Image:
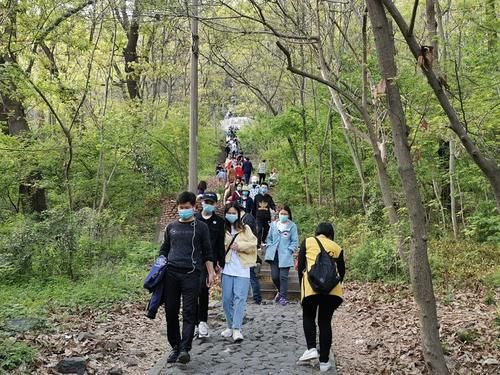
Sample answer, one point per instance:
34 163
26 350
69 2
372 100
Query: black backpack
323 275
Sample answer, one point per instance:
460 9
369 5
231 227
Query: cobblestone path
274 341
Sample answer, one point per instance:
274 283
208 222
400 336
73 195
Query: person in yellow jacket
241 254
322 304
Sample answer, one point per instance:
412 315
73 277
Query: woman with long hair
282 243
241 254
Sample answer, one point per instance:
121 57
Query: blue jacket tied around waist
154 284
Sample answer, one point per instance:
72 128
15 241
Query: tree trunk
431 26
32 197
130 55
420 271
491 19
332 163
489 167
453 205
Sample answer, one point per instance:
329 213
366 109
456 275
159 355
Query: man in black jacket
262 206
217 232
187 249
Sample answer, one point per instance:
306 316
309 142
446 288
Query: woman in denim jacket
282 243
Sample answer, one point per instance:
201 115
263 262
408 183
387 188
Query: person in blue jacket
282 243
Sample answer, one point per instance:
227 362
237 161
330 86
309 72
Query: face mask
231 218
186 213
283 218
263 190
238 188
245 194
208 208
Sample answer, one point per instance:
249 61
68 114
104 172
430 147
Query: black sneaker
184 357
174 354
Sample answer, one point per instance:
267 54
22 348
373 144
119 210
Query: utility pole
193 126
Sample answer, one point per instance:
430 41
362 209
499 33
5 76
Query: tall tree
131 27
420 270
33 198
488 166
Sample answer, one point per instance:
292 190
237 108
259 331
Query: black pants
187 286
203 297
262 178
324 306
280 276
262 230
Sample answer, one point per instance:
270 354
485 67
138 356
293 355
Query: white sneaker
203 330
237 336
309 354
324 366
228 332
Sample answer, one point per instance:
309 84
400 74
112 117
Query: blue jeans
234 299
254 281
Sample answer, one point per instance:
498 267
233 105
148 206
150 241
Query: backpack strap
231 243
321 247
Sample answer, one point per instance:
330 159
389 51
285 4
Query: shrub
375 259
63 243
14 354
484 226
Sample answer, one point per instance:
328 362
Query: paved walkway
274 341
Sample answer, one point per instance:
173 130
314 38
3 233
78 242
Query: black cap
209 196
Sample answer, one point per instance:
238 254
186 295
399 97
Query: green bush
63 243
484 226
375 259
14 354
464 262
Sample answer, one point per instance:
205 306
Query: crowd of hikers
201 244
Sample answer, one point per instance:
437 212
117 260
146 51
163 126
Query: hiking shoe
184 357
324 366
283 301
309 354
228 332
174 354
203 330
237 336
277 297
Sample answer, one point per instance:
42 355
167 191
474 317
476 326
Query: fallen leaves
376 332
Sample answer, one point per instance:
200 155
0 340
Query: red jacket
239 171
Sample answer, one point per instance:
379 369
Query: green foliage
14 354
375 259
463 262
493 279
62 243
484 226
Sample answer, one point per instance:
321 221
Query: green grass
104 287
14 354
101 288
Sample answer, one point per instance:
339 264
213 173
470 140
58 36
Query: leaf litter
375 331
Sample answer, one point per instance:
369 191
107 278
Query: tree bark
130 53
453 204
32 197
420 271
488 166
431 26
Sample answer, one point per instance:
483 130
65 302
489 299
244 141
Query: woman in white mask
241 254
